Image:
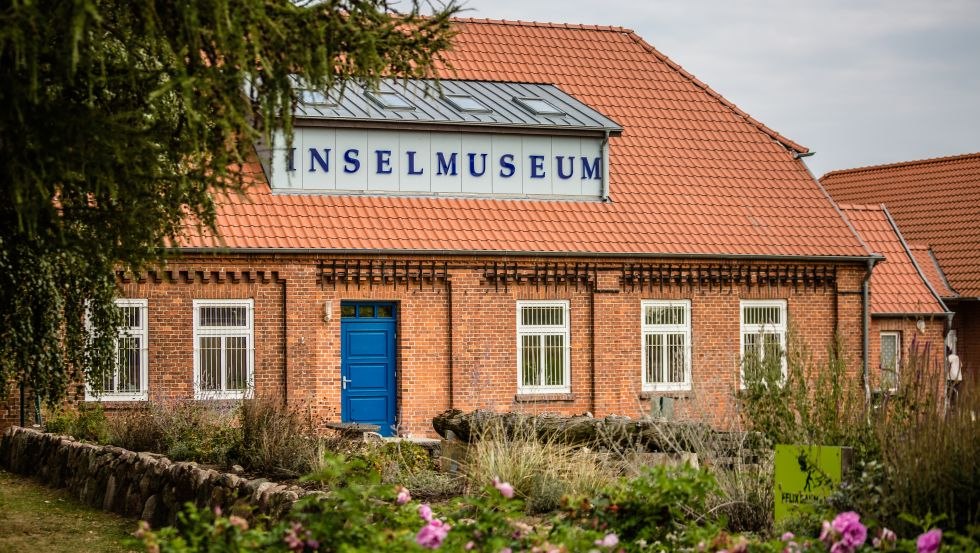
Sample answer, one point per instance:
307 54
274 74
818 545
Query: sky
860 82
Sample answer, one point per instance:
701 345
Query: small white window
763 336
539 106
467 103
316 98
223 350
390 100
891 358
128 381
542 347
666 329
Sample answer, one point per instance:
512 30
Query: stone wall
139 485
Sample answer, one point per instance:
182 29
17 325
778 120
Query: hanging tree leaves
119 120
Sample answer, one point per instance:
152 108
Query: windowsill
678 394
117 398
543 397
222 396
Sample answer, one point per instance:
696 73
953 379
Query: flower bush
657 511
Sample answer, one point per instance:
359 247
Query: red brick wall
918 347
967 325
457 334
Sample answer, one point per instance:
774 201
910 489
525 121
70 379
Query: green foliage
122 118
653 507
84 421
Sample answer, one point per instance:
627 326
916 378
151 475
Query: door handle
344 381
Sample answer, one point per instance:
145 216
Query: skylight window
389 100
465 102
539 106
316 98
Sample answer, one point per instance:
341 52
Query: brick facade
456 326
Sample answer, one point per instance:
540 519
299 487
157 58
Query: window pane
346 310
210 362
531 360
554 360
128 366
224 316
384 311
771 347
365 311
666 315
236 362
889 360
654 345
675 358
541 315
762 315
131 316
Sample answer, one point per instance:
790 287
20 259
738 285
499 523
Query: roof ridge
924 161
543 24
790 144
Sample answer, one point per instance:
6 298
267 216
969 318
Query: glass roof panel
316 98
389 100
465 102
539 106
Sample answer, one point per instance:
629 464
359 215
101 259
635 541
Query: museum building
567 221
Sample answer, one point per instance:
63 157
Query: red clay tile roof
930 269
691 174
897 286
934 201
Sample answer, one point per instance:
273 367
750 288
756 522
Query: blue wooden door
367 364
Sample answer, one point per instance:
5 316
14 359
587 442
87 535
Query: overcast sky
860 82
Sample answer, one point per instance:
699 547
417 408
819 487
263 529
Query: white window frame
143 334
545 330
246 331
778 329
898 358
665 329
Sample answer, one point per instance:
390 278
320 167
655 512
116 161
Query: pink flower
852 532
425 512
238 522
787 536
403 496
506 550
930 541
431 535
504 488
841 547
826 533
469 545
610 540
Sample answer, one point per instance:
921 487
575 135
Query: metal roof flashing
480 105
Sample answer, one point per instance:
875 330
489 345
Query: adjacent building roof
927 262
934 201
432 102
691 174
898 285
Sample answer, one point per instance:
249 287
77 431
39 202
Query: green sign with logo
806 474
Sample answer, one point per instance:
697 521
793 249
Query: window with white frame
128 380
666 328
223 350
763 338
542 347
891 358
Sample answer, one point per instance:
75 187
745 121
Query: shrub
138 429
276 439
542 471
85 421
196 431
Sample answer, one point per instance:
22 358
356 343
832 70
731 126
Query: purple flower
295 542
610 540
841 547
431 535
930 541
403 496
504 488
425 512
852 532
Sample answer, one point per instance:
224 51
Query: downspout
866 335
449 295
592 401
23 413
604 189
285 348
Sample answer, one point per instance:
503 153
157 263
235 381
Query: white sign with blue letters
438 163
